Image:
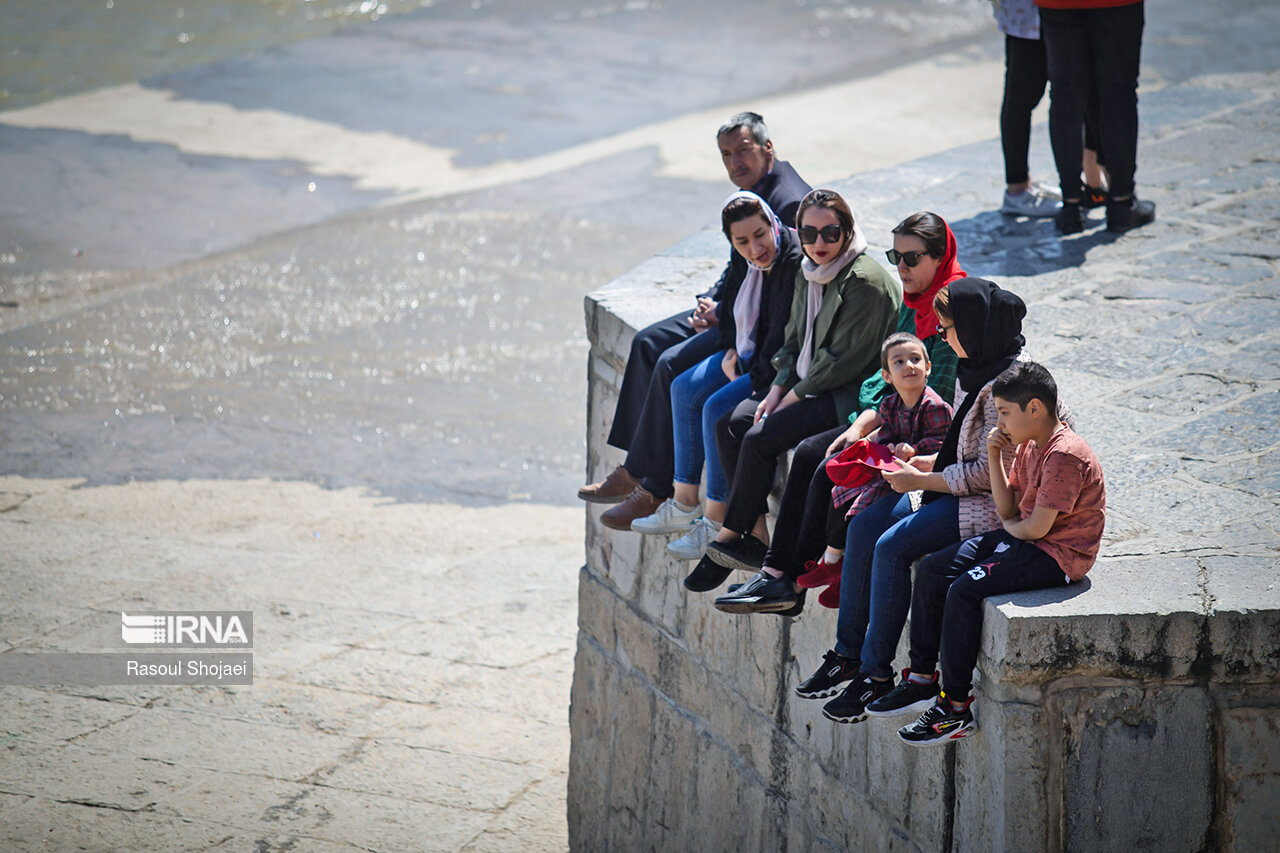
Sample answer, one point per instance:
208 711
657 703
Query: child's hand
997 441
903 451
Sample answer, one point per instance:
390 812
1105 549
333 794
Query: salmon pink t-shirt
1065 476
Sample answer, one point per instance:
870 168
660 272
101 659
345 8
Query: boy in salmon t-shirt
1052 506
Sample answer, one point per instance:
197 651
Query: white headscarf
818 277
746 305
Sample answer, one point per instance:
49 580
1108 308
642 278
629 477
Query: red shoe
820 573
830 597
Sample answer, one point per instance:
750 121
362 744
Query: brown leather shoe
637 505
616 487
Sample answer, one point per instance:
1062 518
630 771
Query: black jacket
783 189
775 309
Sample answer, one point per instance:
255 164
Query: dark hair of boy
1025 381
897 339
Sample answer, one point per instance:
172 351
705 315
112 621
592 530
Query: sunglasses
909 258
830 234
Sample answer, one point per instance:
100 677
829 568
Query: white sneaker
669 518
693 545
1033 202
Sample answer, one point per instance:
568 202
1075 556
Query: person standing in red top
1095 43
1052 508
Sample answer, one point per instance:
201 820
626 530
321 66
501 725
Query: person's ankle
919 677
771 571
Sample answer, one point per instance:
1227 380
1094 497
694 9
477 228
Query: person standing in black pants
662 351
1095 43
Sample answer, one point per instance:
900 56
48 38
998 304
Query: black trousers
1025 76
807 522
751 452
946 604
642 419
1098 48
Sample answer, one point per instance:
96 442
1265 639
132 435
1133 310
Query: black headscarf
988 322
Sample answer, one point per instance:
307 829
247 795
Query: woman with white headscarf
753 317
844 305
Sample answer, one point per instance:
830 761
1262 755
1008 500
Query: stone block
1116 738
1251 771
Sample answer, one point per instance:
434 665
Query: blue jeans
881 574
700 391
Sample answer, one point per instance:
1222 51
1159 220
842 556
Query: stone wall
1129 712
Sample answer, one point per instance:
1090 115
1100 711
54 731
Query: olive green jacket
859 310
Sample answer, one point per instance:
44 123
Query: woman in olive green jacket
844 306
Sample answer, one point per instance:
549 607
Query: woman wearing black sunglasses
924 250
844 305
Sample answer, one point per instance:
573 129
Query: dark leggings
1096 49
806 519
946 606
751 451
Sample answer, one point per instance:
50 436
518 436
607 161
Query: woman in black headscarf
983 324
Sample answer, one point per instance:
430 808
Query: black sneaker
1070 219
706 576
836 669
851 705
795 609
1131 213
907 698
746 553
1095 197
939 725
761 594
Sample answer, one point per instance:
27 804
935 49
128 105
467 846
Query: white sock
919 678
832 557
682 507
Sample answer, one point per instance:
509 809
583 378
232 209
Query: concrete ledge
1137 710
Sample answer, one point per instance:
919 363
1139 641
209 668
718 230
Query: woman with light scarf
843 306
753 316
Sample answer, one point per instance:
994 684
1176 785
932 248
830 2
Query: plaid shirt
923 427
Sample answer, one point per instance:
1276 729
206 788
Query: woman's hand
924 463
704 316
908 478
768 404
787 399
729 364
904 451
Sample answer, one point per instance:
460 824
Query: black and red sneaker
940 724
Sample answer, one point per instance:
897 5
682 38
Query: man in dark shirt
664 350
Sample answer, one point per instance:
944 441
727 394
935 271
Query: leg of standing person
1025 76
1116 38
1067 54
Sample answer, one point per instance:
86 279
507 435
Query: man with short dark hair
664 350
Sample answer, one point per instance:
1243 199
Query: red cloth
854 465
922 303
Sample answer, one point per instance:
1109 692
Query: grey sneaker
693 544
1034 202
667 518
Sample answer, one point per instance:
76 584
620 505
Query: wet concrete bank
685 730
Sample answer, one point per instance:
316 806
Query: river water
431 350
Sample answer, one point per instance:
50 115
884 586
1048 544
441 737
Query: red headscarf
922 303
